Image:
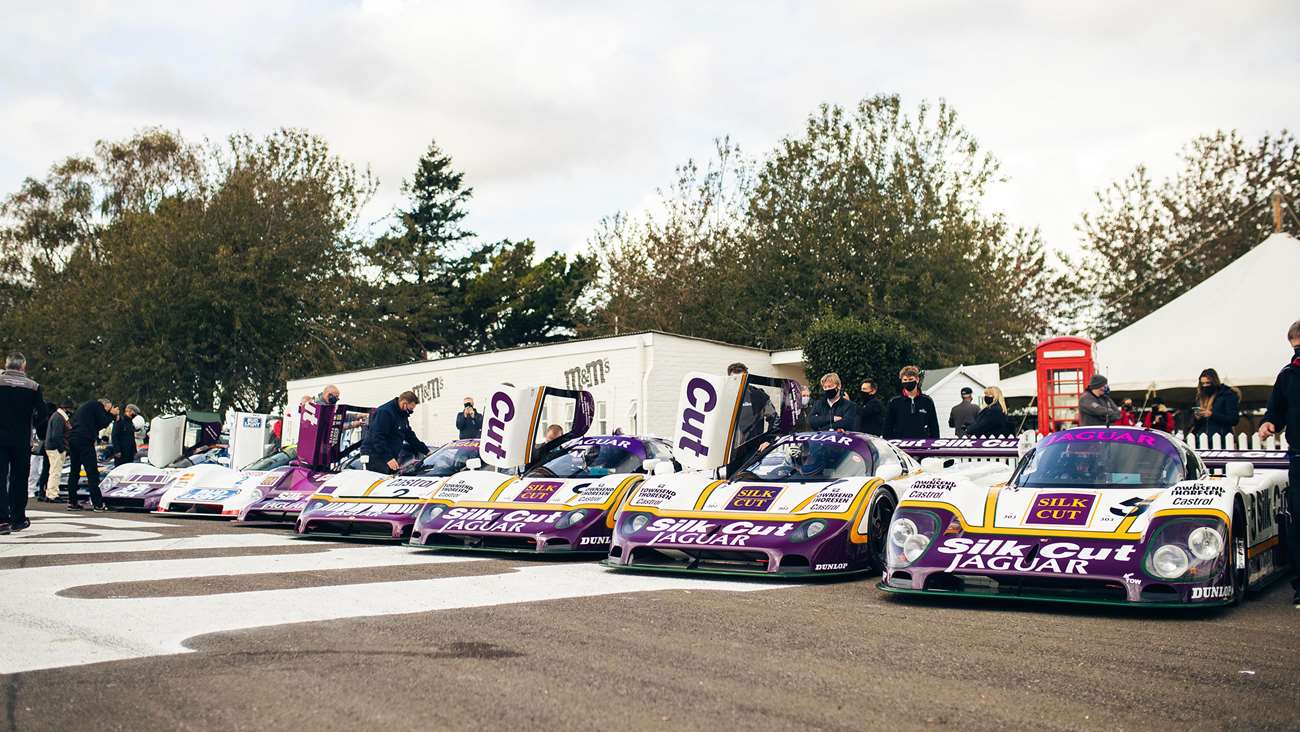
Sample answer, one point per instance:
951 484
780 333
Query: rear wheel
879 514
1237 562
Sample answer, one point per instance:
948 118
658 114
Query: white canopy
1234 321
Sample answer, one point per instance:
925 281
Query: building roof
1234 321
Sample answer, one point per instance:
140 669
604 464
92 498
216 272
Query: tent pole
1277 212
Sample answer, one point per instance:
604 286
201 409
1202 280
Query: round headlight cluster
634 523
900 530
434 511
915 546
1170 561
1205 543
570 518
907 540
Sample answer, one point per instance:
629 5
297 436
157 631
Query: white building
634 378
944 387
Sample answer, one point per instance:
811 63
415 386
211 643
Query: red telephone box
1064 367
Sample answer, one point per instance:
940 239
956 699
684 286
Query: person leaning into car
22 406
87 422
832 411
122 439
1282 416
911 415
390 429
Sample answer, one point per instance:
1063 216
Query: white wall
613 369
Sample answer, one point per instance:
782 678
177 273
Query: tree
1147 243
873 212
413 260
858 350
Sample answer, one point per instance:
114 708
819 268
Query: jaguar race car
807 504
275 488
363 503
565 498
1094 514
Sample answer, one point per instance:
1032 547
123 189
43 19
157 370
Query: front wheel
1237 562
879 514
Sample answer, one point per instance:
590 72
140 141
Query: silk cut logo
754 498
539 491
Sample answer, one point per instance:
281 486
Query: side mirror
1025 444
648 465
473 464
665 467
1239 469
932 464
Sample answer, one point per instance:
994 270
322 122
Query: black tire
1237 575
879 513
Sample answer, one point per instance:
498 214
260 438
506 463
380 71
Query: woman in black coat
1217 405
992 421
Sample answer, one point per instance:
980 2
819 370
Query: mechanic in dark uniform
911 415
22 406
87 422
390 429
1283 417
832 410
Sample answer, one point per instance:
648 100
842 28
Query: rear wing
709 409
516 418
1009 449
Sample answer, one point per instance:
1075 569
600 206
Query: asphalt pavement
136 622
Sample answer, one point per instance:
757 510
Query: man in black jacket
22 406
911 415
469 423
56 447
832 410
122 439
87 422
871 411
390 428
1283 416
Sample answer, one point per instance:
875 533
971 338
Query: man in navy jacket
390 428
22 406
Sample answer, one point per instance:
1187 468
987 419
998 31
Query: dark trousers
45 475
379 466
83 456
15 467
121 458
1293 529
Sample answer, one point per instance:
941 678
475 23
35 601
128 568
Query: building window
602 421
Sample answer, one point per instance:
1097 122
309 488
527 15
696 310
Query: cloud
562 113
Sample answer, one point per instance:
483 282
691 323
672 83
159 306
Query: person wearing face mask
390 429
469 423
328 395
1216 410
963 414
992 421
1282 416
911 415
871 412
832 410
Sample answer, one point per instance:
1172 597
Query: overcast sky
564 112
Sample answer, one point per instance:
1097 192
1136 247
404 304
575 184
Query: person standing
390 429
1159 417
1216 411
871 412
1096 408
469 423
22 407
832 411
87 422
122 440
1282 416
56 447
911 415
1127 414
963 413
992 420
757 413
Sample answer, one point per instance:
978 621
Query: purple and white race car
377 505
807 504
1119 515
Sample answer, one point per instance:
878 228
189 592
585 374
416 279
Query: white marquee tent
1235 321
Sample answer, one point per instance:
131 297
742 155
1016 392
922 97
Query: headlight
914 546
434 511
570 518
808 530
1205 543
1170 561
634 523
900 530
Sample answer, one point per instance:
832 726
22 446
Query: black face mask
988 400
830 394
909 385
469 406
1207 390
332 399
409 412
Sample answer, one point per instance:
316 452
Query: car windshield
1085 464
795 462
277 459
588 461
447 460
